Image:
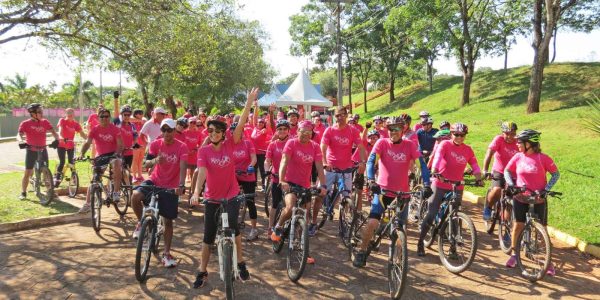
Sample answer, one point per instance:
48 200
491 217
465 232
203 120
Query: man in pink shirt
336 147
353 122
503 147
109 147
168 158
272 163
32 133
450 161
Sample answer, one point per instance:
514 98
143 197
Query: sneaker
276 235
312 229
420 249
360 260
512 261
453 255
551 271
310 260
201 279
244 274
487 213
116 196
252 235
85 208
23 196
168 261
136 232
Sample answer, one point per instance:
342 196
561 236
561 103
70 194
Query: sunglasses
192 122
167 129
211 130
104 117
282 129
126 115
340 115
394 128
459 135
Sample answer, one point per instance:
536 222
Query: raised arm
237 133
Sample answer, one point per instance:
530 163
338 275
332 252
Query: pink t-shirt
450 161
127 136
260 139
275 152
412 136
221 182
193 140
68 128
166 174
242 159
358 127
180 136
356 154
293 131
301 157
105 138
383 132
319 130
394 160
531 169
35 131
339 142
504 152
93 120
417 127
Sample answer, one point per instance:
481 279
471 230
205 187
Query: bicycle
331 197
42 180
226 247
243 206
296 231
123 205
501 215
417 206
70 175
151 231
450 223
533 240
349 214
392 227
267 191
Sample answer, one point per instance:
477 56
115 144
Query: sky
29 58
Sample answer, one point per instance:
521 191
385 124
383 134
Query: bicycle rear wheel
46 186
297 250
228 268
397 264
347 210
457 250
143 251
495 209
73 184
504 229
124 202
96 207
327 202
268 197
414 206
533 251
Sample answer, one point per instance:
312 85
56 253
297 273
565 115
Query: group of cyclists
220 155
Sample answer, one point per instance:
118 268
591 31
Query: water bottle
250 170
441 211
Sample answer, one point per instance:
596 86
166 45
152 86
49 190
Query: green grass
499 95
12 209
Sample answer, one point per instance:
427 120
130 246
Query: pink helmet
306 124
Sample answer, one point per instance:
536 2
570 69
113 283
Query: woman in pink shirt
67 127
272 162
380 126
193 139
260 139
216 166
369 137
529 167
450 161
138 121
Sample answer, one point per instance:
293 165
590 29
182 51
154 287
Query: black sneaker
420 249
244 274
360 260
201 279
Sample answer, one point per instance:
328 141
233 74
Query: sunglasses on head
395 128
104 116
167 129
211 130
459 134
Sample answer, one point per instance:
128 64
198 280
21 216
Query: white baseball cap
160 110
168 122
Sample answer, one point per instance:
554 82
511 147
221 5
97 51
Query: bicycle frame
339 188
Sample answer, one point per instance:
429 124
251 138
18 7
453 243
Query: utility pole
339 49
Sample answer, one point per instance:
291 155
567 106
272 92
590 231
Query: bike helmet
508 126
428 120
33 107
444 124
406 117
283 122
233 126
396 121
459 128
355 117
423 114
306 124
183 121
441 134
377 118
193 120
126 108
315 114
373 132
529 135
293 112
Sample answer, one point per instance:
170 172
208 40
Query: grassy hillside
499 95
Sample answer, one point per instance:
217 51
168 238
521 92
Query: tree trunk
554 45
505 53
170 103
467 79
365 96
430 74
535 84
149 106
392 82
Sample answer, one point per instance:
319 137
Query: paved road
72 261
11 155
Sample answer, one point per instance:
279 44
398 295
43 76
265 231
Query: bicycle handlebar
224 201
313 191
455 183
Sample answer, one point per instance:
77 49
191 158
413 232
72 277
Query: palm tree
592 120
73 90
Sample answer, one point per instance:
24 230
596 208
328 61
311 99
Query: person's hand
116 94
487 175
361 168
22 145
479 182
252 95
180 191
160 159
368 124
512 190
543 194
284 186
54 144
194 199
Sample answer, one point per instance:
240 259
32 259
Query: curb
568 239
43 221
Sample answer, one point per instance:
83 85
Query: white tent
302 92
270 98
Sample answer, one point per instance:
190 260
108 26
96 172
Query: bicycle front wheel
346 214
96 205
143 252
533 251
228 268
397 264
73 184
46 186
505 229
124 201
457 243
414 206
297 250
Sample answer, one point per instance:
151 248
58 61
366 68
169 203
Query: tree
512 22
584 18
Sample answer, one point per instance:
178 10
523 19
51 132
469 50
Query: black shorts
31 156
127 160
313 174
498 179
210 220
306 198
276 195
520 210
168 202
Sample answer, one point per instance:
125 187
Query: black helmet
529 135
33 107
283 123
406 117
508 126
126 108
183 121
